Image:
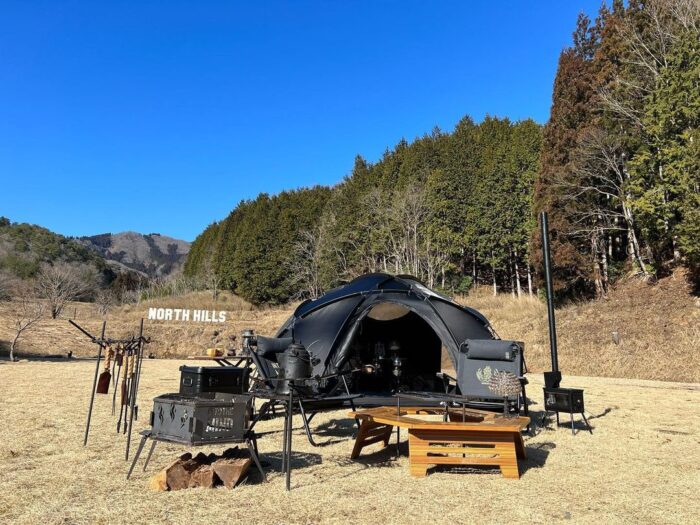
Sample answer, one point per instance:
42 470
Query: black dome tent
379 315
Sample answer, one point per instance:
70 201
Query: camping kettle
296 362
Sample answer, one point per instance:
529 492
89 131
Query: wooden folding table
469 437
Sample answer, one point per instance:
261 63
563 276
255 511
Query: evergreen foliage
617 167
619 173
450 208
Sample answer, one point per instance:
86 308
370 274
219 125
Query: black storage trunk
203 419
203 379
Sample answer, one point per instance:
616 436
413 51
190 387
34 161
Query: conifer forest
616 166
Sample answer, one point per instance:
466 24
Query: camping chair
485 354
308 402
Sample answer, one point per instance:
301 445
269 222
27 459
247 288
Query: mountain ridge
153 254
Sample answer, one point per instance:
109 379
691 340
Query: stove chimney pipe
550 294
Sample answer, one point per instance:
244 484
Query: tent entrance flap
394 348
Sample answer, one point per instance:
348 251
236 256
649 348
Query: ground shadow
343 429
381 458
602 414
550 422
39 358
299 459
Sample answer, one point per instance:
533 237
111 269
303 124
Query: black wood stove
556 399
565 400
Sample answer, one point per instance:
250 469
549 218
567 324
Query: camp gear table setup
283 367
470 437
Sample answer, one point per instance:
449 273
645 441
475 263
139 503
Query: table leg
290 408
417 470
520 447
284 444
509 460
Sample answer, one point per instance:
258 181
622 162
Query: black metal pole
94 381
550 293
290 407
134 383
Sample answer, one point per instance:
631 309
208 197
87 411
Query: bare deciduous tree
306 262
6 285
212 279
26 313
104 299
59 284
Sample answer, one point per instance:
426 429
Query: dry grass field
639 466
658 326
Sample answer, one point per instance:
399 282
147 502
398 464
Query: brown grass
169 339
640 466
659 329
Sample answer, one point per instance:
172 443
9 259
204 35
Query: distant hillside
153 254
25 247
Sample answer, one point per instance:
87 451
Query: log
231 470
158 482
203 470
177 475
204 476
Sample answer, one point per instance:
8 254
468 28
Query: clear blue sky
161 116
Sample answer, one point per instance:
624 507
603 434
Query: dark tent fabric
339 327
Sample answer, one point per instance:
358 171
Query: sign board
186 315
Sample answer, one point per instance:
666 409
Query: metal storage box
203 419
203 379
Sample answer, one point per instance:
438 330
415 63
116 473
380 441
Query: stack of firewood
203 470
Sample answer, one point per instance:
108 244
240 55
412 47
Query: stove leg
557 413
136 456
150 453
587 423
571 415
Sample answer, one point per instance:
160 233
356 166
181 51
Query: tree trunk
604 264
517 273
493 270
529 277
13 345
597 278
633 243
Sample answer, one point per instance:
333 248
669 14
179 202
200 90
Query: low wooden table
470 437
